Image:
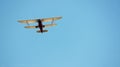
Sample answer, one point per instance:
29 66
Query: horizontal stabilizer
30 26
41 32
49 25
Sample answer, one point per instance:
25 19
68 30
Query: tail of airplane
41 32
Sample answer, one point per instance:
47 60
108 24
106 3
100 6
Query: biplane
40 25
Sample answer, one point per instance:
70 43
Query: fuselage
40 25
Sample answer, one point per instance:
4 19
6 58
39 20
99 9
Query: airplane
40 23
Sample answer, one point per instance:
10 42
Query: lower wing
46 26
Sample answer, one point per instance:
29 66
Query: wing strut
52 21
28 23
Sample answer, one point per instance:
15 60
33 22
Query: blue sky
88 35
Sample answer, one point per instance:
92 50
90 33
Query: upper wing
43 20
50 19
28 21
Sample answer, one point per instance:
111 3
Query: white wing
28 21
30 27
49 25
50 19
43 20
